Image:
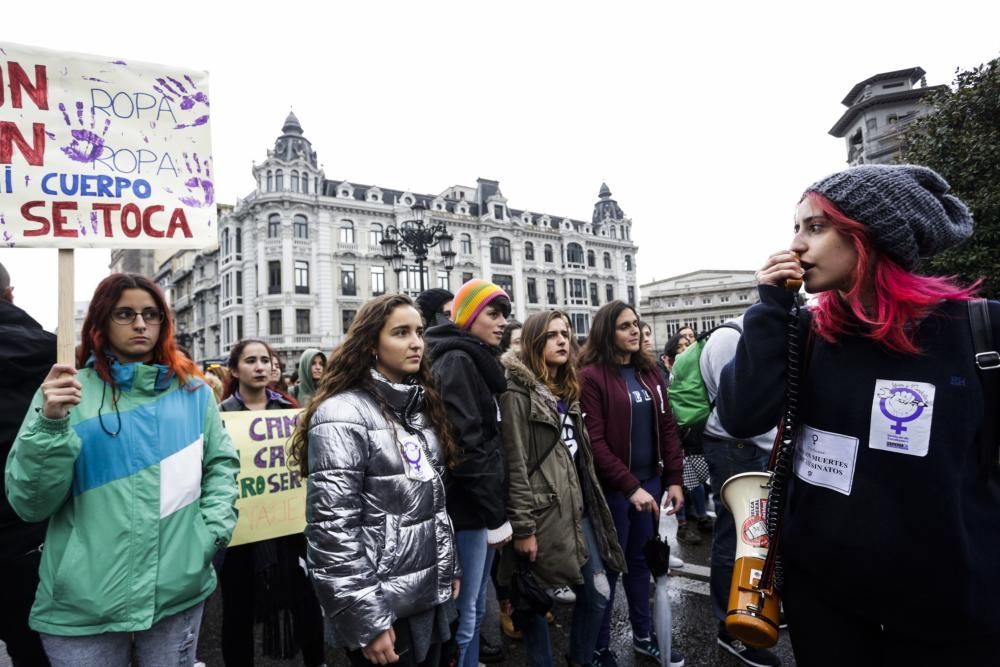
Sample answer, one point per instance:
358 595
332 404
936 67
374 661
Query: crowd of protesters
446 447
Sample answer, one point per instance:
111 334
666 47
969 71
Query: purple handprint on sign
87 145
199 184
171 88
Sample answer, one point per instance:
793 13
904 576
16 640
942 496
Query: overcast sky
707 120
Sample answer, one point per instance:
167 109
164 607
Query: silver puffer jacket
380 545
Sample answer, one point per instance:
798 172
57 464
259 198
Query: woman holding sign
892 459
264 580
374 443
128 460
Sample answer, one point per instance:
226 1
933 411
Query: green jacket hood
306 386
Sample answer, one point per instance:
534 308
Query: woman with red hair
893 478
128 460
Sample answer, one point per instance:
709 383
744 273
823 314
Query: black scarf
484 356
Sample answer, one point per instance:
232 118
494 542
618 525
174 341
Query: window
628 262
499 250
580 323
532 291
631 295
871 124
228 327
227 289
274 318
302 321
378 280
305 183
607 260
273 226
346 231
574 254
301 277
705 300
226 249
270 181
346 317
498 211
274 277
466 277
609 292
279 180
442 280
466 244
347 285
506 283
239 327
239 246
724 298
409 278
591 259
300 227
529 250
239 288
550 291
548 253
375 236
744 297
594 301
614 232
295 181
576 290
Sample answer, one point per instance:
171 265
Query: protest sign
272 496
103 152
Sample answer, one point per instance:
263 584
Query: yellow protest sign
272 496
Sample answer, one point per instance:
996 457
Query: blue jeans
588 612
726 458
634 530
475 555
171 642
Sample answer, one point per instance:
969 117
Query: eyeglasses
127 316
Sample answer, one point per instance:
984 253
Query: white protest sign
103 152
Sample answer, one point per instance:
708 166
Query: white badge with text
901 417
826 459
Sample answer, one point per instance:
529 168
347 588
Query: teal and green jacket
139 497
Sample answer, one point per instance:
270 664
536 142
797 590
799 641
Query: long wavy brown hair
533 338
600 348
94 334
349 367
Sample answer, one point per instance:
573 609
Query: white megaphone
753 615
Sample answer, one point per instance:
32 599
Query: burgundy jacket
607 412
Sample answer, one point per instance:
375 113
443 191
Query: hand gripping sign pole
99 152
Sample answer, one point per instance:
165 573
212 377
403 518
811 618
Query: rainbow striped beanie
471 298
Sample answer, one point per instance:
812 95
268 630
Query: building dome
606 208
292 144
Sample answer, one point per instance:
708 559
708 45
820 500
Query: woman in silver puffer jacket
374 443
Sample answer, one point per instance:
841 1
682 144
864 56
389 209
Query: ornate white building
300 254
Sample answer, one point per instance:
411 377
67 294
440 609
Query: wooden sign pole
65 335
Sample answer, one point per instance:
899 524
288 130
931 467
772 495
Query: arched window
274 226
591 259
614 232
628 262
295 181
466 244
239 243
270 181
499 250
548 253
300 227
305 184
375 235
279 180
574 253
607 260
529 250
346 231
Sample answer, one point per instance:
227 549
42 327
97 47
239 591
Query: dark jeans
588 613
634 530
237 583
726 458
20 571
403 649
827 634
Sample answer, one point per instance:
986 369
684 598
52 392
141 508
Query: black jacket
469 376
27 352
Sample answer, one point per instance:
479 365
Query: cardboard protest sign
100 152
272 497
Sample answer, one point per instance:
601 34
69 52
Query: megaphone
753 615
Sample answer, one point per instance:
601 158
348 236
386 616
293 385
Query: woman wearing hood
311 366
561 521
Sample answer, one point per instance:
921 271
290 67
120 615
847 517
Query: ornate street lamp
417 235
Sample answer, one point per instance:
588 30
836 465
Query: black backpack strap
988 366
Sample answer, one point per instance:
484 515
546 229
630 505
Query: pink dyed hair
902 297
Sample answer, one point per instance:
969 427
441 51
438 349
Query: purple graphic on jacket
87 145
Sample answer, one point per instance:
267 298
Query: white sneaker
675 562
199 663
563 595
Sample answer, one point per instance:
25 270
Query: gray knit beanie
906 207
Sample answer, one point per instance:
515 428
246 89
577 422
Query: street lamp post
418 235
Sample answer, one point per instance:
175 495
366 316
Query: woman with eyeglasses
128 460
